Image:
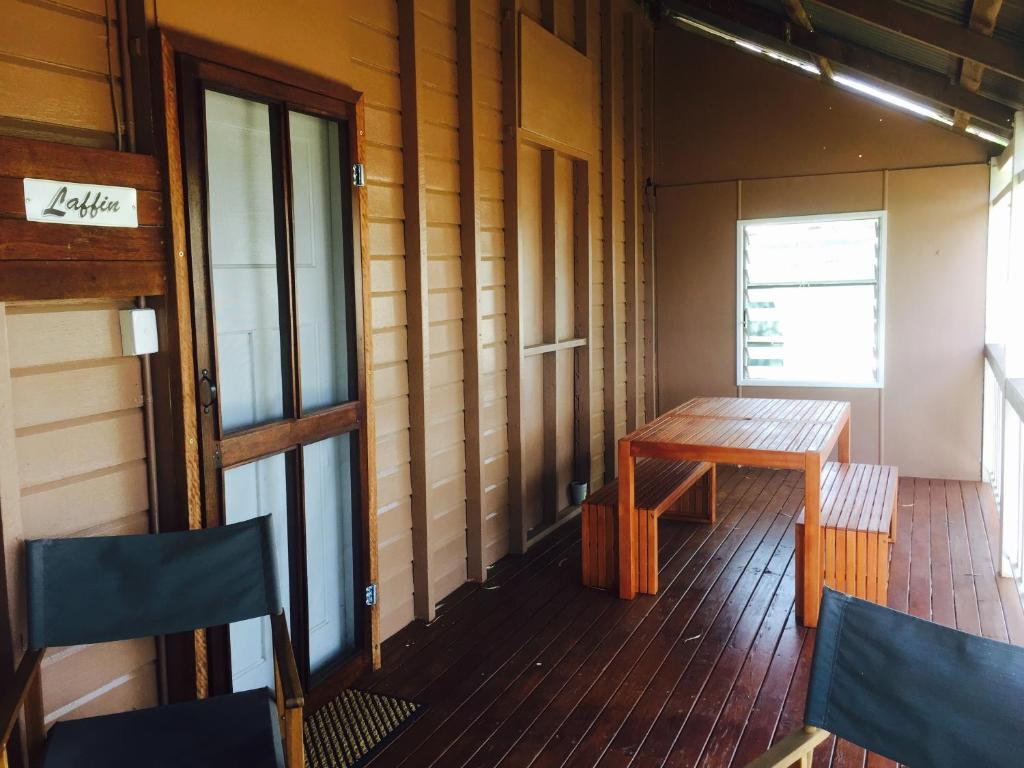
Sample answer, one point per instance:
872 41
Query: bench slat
857 497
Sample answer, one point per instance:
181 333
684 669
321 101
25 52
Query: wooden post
581 297
417 299
368 436
510 163
476 567
647 166
13 610
609 175
581 10
174 375
628 532
631 147
549 322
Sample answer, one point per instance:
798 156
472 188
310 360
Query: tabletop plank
744 425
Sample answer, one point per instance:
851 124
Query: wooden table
781 434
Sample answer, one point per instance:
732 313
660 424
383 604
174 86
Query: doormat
354 726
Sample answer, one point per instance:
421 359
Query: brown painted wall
927 419
57 64
357 43
71 427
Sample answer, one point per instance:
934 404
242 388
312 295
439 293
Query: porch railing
1003 458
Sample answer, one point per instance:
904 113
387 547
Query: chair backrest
96 589
916 692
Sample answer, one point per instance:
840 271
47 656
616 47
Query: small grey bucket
577 492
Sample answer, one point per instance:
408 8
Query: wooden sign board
110 253
94 205
556 88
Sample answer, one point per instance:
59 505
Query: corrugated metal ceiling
994 85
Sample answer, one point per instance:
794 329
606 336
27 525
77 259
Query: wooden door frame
175 366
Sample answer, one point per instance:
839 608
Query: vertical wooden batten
472 342
648 203
631 151
549 298
609 50
416 267
13 638
518 528
173 367
583 279
581 9
368 434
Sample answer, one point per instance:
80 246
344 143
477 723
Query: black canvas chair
916 692
94 590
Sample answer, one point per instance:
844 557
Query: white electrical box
138 332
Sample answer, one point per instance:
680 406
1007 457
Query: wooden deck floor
531 669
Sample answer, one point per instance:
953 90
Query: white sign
63 202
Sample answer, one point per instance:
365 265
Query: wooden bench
661 490
858 526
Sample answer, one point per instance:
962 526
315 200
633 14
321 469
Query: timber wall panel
375 69
358 44
81 468
56 72
491 279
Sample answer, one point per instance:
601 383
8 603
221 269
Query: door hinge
371 594
358 175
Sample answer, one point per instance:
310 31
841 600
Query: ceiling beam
893 72
983 21
938 33
798 15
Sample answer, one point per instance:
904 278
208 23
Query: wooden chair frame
795 749
287 690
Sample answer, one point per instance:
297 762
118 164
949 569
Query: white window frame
883 238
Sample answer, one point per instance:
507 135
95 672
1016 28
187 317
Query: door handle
207 391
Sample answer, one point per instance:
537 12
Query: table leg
812 540
844 442
627 534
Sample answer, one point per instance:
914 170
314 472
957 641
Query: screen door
276 305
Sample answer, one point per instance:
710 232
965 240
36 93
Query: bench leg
812 538
798 533
627 528
586 545
883 572
648 541
892 521
711 481
642 552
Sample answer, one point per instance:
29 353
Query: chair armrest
789 751
288 671
13 699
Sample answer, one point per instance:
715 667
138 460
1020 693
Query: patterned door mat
354 726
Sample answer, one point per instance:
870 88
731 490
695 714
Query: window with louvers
811 300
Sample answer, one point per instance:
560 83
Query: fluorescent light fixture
884 95
893 99
770 53
981 133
